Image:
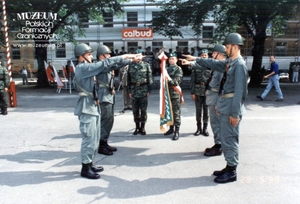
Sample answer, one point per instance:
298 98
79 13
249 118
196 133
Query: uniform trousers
273 81
107 119
200 103
295 76
176 111
3 99
230 140
139 109
214 123
90 130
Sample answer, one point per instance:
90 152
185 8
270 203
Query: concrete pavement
40 154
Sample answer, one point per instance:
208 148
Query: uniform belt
213 89
83 94
138 84
229 95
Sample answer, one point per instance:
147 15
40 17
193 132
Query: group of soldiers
219 84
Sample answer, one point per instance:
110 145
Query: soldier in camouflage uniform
87 107
4 86
176 74
199 79
139 87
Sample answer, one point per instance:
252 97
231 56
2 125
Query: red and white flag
59 82
72 67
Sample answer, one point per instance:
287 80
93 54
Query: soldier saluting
230 106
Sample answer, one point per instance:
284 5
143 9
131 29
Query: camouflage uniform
139 80
199 79
176 74
4 83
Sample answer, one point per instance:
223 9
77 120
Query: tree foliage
68 24
229 15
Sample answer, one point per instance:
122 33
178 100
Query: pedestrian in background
296 68
24 72
273 81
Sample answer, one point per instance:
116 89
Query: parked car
284 75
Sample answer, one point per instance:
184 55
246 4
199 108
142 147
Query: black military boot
213 151
226 175
198 131
97 168
204 132
142 129
103 150
137 128
4 110
170 131
87 172
110 148
176 133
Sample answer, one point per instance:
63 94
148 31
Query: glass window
155 14
15 50
84 19
61 50
108 18
280 49
207 33
132 16
132 46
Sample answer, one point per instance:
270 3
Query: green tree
67 23
229 15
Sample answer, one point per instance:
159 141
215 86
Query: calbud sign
137 33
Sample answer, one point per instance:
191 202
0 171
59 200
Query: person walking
106 95
212 97
24 72
273 81
230 105
139 87
87 108
4 86
175 73
199 78
296 68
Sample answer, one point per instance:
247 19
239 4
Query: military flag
165 104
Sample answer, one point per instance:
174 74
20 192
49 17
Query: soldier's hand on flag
6 89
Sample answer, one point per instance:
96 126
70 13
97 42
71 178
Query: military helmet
220 49
82 49
173 54
203 51
103 49
234 39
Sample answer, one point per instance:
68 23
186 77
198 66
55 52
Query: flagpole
12 89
